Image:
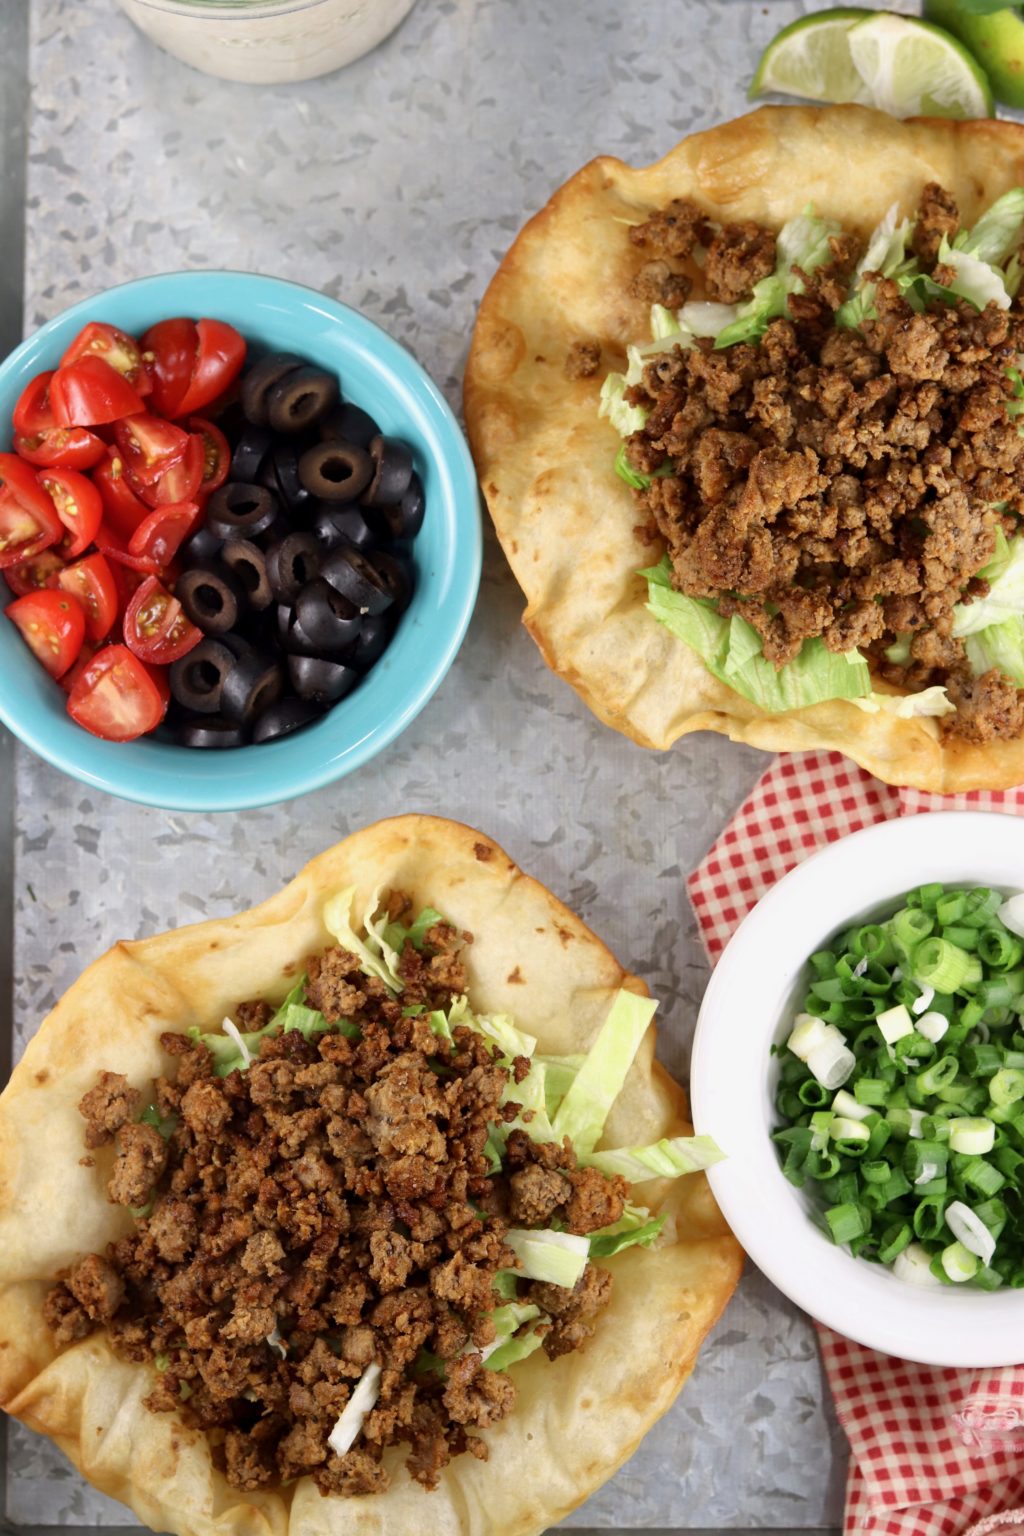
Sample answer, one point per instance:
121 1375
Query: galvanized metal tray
396 186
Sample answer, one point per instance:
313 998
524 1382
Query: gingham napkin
933 1451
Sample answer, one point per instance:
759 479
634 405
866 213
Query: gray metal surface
396 186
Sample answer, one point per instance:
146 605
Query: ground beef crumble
330 1207
831 482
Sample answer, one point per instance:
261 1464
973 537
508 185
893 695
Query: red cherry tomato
32 575
163 532
61 448
28 518
219 360
90 392
124 510
115 347
156 629
92 581
34 413
78 506
85 656
216 453
53 625
169 349
111 544
117 697
181 482
149 446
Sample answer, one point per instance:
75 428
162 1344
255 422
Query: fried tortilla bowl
565 520
576 1420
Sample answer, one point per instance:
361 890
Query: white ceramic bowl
754 993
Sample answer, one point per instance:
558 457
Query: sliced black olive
196 679
337 524
321 681
353 574
239 511
335 471
203 545
250 451
282 718
252 685
211 731
249 564
374 639
291 563
396 578
301 399
349 424
261 379
211 597
326 618
404 519
392 474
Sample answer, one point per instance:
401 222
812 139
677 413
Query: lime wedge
996 40
914 69
811 58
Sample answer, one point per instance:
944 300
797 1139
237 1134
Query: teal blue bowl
383 378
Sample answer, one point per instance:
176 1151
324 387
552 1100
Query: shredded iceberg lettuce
886 253
362 1402
998 645
908 706
559 1072
507 1321
635 1228
513 1350
337 919
802 242
731 650
703 318
559 1258
976 280
669 1158
998 233
1005 599
398 934
582 1113
625 418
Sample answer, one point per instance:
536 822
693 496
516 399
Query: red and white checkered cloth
933 1451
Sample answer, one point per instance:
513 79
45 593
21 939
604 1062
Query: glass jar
267 42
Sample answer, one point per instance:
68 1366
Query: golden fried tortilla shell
567 523
577 1418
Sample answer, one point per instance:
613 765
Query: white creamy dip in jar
267 42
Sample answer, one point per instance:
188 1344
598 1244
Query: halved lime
914 69
811 58
996 40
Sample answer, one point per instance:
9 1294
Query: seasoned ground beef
847 484
583 360
330 1208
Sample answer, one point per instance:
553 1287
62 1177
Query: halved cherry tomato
124 510
111 544
127 583
216 453
149 446
181 481
90 392
219 360
34 413
117 348
92 581
61 448
164 531
117 697
33 575
169 349
53 625
28 518
156 628
78 506
85 656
